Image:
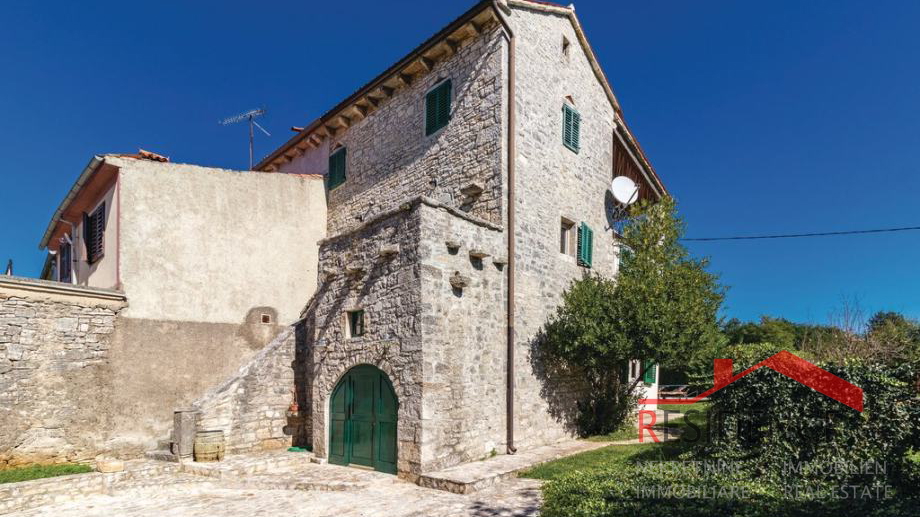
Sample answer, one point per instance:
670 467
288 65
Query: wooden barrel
209 446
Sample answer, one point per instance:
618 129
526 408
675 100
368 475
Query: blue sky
770 117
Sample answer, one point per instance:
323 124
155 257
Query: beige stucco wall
211 245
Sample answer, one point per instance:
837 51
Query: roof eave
88 171
378 81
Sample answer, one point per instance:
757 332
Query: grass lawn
30 472
600 459
621 455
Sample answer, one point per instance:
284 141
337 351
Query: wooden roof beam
361 111
426 63
404 79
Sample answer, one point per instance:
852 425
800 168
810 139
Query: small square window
266 318
354 323
567 238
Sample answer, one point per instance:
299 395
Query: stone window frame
346 323
453 99
568 226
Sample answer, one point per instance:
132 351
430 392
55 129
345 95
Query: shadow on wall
300 424
560 386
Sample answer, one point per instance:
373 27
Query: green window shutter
437 107
650 369
585 253
571 127
336 168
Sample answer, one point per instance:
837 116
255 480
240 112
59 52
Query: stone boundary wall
54 374
16 497
252 406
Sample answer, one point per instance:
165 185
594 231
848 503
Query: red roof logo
791 366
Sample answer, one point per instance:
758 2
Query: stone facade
356 275
54 377
389 157
437 312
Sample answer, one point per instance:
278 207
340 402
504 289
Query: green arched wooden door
362 420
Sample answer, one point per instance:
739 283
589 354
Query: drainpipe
499 6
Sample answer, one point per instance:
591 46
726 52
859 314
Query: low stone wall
54 344
252 406
16 497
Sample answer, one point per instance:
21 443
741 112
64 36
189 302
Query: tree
895 337
662 307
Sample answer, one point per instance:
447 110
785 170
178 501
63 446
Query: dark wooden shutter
437 107
337 168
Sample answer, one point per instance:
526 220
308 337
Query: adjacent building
212 263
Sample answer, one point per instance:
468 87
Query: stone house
407 247
466 188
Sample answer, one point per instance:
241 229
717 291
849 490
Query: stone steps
477 475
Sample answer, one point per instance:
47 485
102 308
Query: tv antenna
250 116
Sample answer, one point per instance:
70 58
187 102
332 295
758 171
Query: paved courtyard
304 490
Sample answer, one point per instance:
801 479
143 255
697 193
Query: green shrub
649 493
775 425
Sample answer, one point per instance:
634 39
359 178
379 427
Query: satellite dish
624 190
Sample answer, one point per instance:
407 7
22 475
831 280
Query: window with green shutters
571 127
336 168
585 245
650 370
437 108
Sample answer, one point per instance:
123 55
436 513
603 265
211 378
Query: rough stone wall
463 331
54 376
554 183
388 290
252 406
390 159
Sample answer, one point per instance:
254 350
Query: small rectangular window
567 237
355 321
585 245
565 47
94 234
336 168
571 127
437 107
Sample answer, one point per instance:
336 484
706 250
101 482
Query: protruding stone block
478 254
459 281
389 251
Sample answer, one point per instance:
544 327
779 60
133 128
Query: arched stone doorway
362 420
